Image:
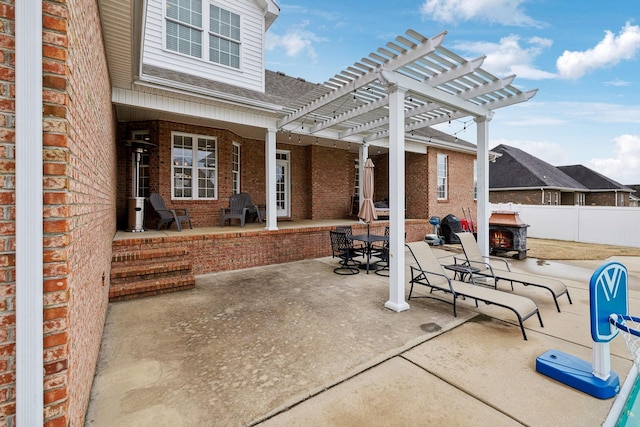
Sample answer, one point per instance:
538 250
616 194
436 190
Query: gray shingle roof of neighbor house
518 169
592 179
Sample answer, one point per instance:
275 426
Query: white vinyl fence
588 224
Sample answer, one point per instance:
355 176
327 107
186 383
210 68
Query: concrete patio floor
295 344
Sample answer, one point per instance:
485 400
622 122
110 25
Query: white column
396 200
270 179
483 183
363 156
29 227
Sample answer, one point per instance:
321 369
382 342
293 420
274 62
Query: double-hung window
235 169
200 29
442 177
224 37
184 27
194 166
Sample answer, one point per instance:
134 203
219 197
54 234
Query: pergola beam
397 61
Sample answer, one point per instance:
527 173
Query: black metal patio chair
343 249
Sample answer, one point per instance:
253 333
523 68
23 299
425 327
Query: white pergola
407 85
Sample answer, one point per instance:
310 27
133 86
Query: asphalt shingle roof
518 169
592 179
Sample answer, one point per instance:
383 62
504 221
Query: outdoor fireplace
507 233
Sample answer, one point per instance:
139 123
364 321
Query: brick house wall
79 208
7 224
460 184
605 198
322 178
88 209
525 197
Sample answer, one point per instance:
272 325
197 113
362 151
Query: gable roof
518 169
592 179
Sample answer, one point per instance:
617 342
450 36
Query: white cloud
608 52
295 41
624 163
510 57
503 12
617 83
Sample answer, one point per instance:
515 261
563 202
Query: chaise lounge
475 259
428 272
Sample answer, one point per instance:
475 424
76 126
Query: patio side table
460 271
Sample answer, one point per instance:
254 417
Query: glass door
283 183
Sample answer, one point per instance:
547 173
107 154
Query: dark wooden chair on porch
240 207
169 216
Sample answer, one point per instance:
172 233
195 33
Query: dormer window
224 37
184 27
184 31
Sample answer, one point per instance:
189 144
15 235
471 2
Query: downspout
29 228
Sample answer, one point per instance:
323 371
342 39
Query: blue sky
584 57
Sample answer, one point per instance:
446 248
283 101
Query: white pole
29 230
396 199
483 183
270 171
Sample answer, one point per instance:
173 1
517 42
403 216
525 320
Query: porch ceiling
441 86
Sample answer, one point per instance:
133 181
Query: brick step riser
127 271
146 289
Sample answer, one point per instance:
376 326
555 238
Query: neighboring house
603 191
189 80
634 198
518 177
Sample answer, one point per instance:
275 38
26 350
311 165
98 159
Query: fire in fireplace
507 233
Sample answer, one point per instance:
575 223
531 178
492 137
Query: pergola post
270 171
396 300
483 182
363 152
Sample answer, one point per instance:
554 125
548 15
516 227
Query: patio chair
427 271
474 258
169 216
382 252
240 207
348 230
343 249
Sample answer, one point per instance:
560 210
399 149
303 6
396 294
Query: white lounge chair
475 259
428 271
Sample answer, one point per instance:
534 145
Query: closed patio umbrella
367 209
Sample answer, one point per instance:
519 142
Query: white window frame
549 198
557 198
235 168
442 166
207 34
193 161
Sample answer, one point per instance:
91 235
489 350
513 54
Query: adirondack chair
240 207
168 216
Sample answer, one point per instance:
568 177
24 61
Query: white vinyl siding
194 166
442 177
250 61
